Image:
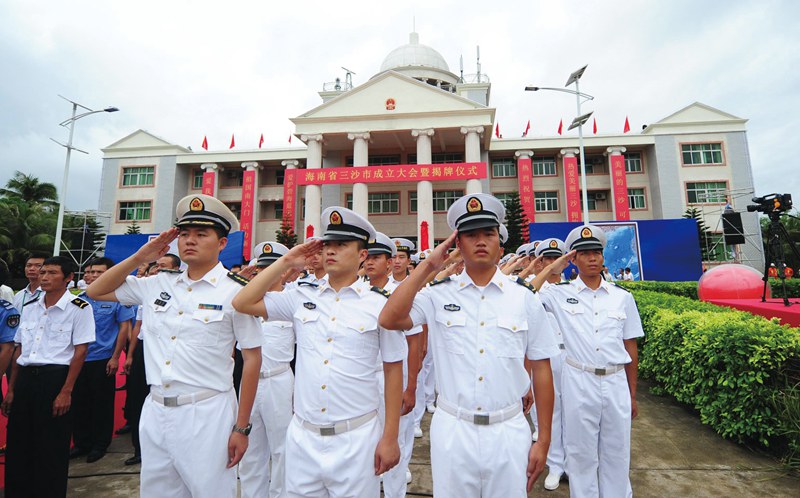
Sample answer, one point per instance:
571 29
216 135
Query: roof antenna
348 78
479 63
461 65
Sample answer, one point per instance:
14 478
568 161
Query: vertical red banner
573 191
209 180
248 202
525 178
619 188
289 195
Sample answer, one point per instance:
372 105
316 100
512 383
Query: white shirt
390 287
190 329
48 335
338 342
479 338
628 277
25 296
594 322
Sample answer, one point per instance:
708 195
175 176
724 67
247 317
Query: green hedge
792 287
689 289
726 364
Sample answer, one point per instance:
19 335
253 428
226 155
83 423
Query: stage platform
772 308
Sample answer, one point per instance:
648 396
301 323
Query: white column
290 163
472 153
360 159
313 200
213 168
613 151
424 188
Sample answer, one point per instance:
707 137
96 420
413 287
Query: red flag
627 126
497 130
560 126
261 141
527 129
290 138
594 126
205 143
233 142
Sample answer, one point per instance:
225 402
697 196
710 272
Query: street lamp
69 147
578 122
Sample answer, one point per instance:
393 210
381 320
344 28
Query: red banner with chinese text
289 195
619 188
248 201
525 177
209 180
394 173
573 191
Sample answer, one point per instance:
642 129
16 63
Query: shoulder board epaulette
619 286
564 283
6 304
170 270
380 290
31 301
80 303
305 282
527 285
440 281
237 278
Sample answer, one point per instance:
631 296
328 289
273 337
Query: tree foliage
703 235
29 189
516 223
791 223
133 228
286 235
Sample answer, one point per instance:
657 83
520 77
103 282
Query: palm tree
29 189
27 228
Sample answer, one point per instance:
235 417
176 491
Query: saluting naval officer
272 410
378 264
334 445
191 434
52 340
600 325
482 327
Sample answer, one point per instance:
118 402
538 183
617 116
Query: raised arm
250 299
103 288
553 268
395 313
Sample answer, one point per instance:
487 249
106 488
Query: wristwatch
243 430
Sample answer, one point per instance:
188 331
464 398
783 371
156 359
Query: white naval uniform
479 338
394 481
26 296
597 408
272 413
190 331
338 342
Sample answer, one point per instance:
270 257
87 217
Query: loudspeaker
732 228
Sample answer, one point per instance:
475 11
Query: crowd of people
307 372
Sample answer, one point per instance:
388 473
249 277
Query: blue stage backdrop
667 250
119 247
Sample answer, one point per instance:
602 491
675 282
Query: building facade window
706 192
503 197
280 174
633 162
138 176
544 166
545 201
595 165
135 210
715 247
447 157
379 203
598 200
232 178
443 199
376 160
197 178
700 154
236 208
504 167
636 199
412 202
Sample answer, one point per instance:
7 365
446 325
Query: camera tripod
776 235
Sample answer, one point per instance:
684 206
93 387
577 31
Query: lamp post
69 147
578 122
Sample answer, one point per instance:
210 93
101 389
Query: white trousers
429 375
394 481
556 455
185 448
272 413
340 466
597 433
474 461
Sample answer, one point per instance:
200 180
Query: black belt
43 369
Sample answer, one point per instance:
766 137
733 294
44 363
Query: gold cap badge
474 205
586 233
196 204
336 218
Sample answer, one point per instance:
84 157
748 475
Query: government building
403 146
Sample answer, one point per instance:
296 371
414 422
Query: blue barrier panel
119 247
666 250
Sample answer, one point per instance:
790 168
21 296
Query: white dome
414 54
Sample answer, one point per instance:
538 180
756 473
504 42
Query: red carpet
772 308
119 419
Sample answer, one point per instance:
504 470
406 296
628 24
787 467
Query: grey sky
184 69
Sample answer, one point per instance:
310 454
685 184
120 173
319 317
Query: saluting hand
157 247
296 257
438 257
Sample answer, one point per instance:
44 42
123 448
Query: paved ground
673 455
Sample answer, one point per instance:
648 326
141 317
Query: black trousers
137 392
37 451
93 407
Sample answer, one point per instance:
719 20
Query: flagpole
584 193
